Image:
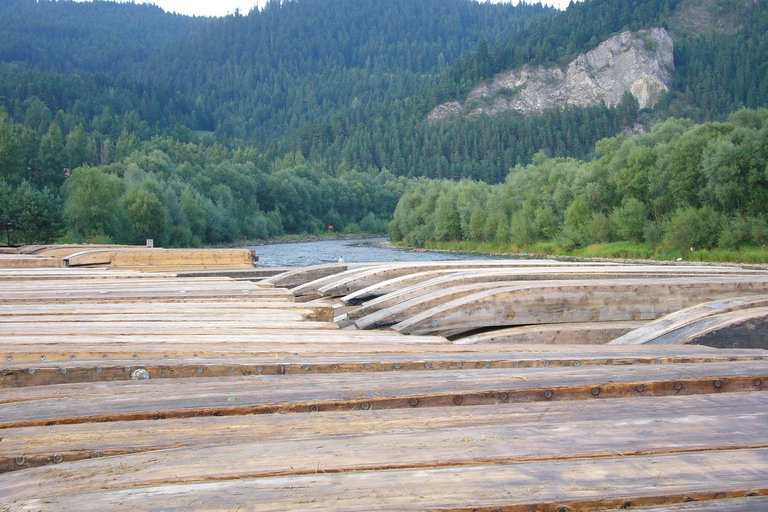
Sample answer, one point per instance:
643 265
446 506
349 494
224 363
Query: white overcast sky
224 7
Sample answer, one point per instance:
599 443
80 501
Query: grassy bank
620 250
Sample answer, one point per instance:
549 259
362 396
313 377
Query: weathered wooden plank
135 283
292 278
379 346
575 485
62 250
12 261
549 426
159 328
180 294
134 318
598 300
390 310
686 316
587 333
29 369
347 284
477 443
162 313
54 274
449 278
118 258
716 504
173 398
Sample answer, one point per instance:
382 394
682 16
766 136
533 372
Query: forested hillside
307 112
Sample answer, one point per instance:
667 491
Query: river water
301 254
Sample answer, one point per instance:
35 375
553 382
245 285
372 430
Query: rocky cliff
639 62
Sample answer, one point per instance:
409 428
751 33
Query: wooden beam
577 485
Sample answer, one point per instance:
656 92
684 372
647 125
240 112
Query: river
299 254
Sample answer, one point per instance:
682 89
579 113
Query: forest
120 122
680 188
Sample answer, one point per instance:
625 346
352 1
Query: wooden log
178 398
577 485
679 319
598 300
550 427
587 333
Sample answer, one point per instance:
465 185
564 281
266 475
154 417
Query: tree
92 206
147 213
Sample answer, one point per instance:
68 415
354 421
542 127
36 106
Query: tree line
179 194
682 185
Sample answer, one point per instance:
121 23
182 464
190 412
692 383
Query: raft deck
146 398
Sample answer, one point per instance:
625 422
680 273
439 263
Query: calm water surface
353 251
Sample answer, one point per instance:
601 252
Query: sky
224 7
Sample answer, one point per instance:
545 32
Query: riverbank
296 239
619 252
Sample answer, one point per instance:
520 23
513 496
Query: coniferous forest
121 122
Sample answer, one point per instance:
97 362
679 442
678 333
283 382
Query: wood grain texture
578 485
297 393
550 427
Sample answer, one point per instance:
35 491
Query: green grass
622 250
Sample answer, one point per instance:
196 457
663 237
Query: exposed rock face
639 62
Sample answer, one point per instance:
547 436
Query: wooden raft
144 398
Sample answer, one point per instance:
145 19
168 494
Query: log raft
146 398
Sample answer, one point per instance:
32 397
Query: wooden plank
636 424
174 398
373 346
166 311
475 443
54 274
347 284
292 278
450 278
181 327
575 485
62 250
686 316
10 261
151 257
29 369
149 319
389 310
587 333
598 300
716 504
738 329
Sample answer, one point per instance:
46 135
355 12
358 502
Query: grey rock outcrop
639 62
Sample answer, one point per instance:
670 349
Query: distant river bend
300 254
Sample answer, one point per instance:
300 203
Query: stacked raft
124 390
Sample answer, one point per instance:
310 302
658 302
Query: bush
691 228
629 220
